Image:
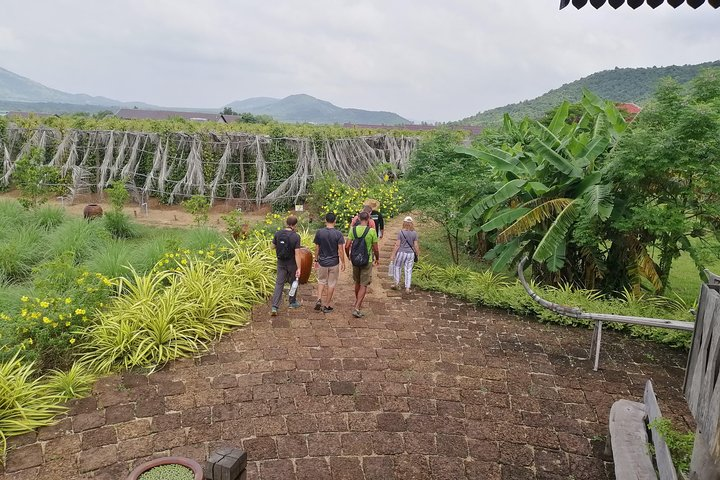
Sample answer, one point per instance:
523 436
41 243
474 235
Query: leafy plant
118 195
235 226
25 402
119 225
75 383
199 207
34 179
680 444
48 217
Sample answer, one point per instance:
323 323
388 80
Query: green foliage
236 228
189 300
492 290
48 217
437 183
664 170
680 444
20 250
34 179
77 236
118 195
25 402
198 206
328 194
119 225
75 383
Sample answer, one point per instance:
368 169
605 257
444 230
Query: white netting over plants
173 166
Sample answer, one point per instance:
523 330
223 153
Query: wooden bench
599 318
629 444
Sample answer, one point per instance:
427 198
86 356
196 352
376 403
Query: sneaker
394 286
273 312
318 305
357 313
327 309
294 305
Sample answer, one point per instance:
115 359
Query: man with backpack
286 243
362 248
330 261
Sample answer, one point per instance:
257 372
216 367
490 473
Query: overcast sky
424 59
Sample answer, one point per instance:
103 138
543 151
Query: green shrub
114 260
486 288
25 402
119 225
20 250
680 444
75 383
118 195
199 207
202 238
77 236
48 217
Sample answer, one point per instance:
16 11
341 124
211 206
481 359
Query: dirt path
423 387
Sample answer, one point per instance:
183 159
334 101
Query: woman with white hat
405 253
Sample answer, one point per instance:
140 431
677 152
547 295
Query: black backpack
358 250
282 247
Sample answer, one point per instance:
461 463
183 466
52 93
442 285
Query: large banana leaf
598 201
504 254
503 218
557 232
560 163
505 193
537 215
495 157
557 259
559 120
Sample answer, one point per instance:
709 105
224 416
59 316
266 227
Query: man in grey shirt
330 261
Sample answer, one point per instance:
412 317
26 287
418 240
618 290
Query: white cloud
422 59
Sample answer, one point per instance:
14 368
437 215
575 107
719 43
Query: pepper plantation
606 206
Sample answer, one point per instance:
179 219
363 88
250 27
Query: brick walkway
423 387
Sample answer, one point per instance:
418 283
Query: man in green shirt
362 263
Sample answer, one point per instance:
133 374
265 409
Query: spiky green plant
20 250
74 383
113 260
47 217
119 225
79 236
25 402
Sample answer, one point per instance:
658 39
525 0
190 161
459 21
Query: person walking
405 253
356 219
362 248
330 261
376 216
286 243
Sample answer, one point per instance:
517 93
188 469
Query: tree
666 169
36 180
439 180
228 111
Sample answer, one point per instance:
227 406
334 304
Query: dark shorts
362 275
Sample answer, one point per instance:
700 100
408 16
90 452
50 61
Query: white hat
408 219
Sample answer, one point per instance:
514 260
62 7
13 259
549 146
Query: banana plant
547 181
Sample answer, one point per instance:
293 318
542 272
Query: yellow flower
68 300
24 298
46 320
72 340
30 341
35 315
67 324
55 324
79 311
23 312
183 261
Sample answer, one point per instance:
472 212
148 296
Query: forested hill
634 85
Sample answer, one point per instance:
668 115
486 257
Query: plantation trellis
172 166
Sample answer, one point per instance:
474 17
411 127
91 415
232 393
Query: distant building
141 114
630 109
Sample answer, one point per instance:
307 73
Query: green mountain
630 85
18 91
306 109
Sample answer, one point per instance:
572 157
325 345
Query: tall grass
20 250
200 238
78 236
47 217
113 260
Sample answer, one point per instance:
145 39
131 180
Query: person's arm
348 244
417 248
317 256
340 254
395 250
380 225
376 253
298 262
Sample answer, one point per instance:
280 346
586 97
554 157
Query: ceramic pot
185 462
92 211
306 261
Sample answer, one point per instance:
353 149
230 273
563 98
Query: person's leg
408 270
279 284
396 270
332 278
290 276
322 274
365 278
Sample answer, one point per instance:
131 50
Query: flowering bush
46 329
331 195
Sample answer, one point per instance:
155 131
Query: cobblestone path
423 387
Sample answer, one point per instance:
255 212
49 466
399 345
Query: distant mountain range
635 85
304 108
22 94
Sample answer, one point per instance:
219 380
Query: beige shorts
328 275
362 275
